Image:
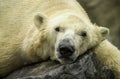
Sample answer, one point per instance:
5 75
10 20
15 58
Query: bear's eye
57 29
83 34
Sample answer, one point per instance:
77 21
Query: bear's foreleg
109 55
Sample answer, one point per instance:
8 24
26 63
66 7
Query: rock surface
86 67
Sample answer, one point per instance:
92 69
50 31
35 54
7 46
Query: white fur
22 42
109 55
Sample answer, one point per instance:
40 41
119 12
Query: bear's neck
36 47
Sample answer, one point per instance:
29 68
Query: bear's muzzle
65 48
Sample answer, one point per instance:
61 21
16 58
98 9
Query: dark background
105 13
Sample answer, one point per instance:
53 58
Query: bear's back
18 12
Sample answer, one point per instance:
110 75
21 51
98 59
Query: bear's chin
66 60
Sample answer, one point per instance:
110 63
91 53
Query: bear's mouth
65 60
65 56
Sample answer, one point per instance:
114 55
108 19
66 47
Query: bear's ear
39 20
104 32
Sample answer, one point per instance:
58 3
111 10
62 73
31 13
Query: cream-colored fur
27 31
109 55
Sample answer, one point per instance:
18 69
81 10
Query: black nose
66 50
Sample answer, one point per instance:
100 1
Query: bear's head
69 36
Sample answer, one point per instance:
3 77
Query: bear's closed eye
57 29
83 34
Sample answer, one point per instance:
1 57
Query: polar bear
35 30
